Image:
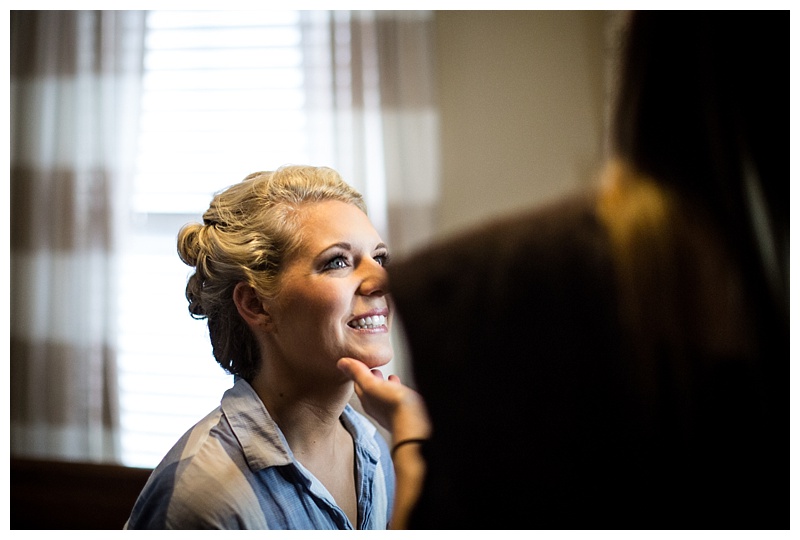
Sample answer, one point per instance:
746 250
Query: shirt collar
261 439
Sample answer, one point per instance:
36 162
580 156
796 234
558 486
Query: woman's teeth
369 322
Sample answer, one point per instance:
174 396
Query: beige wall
521 98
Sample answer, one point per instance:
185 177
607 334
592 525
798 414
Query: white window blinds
222 96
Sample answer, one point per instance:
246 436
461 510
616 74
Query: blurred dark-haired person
619 359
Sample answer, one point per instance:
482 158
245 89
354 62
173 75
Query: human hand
392 404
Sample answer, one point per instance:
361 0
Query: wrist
411 441
411 422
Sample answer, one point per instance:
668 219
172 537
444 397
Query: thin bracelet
405 441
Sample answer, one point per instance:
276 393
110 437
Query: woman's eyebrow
348 247
339 245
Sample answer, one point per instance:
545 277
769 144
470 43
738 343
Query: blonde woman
290 274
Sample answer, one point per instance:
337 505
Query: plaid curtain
371 83
73 94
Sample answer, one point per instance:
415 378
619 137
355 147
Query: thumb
345 365
351 367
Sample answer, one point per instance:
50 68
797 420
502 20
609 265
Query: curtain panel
410 126
73 96
370 80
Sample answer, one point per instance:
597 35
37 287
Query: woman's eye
336 263
383 260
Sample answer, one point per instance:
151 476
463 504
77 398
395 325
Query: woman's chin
376 360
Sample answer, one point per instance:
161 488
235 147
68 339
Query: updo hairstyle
247 233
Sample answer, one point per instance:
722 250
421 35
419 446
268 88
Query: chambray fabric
234 470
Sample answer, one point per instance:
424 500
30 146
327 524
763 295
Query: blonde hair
247 232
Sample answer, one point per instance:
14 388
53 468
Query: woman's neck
309 417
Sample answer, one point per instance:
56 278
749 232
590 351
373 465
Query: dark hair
703 107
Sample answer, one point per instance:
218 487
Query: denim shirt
234 470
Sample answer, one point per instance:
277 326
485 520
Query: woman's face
332 296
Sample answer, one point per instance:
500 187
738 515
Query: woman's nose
374 279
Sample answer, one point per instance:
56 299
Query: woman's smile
371 322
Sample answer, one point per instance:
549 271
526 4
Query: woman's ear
250 306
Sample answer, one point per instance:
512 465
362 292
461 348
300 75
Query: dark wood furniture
69 495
